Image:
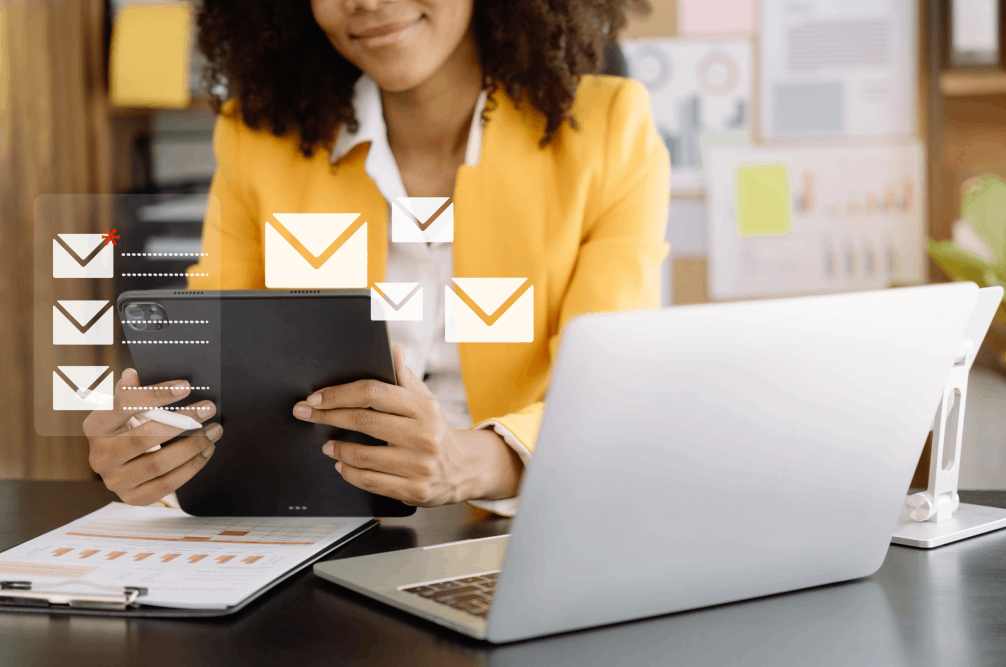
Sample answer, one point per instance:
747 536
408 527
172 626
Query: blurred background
816 145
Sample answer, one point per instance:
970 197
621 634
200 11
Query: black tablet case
141 611
267 350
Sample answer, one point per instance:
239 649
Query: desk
941 607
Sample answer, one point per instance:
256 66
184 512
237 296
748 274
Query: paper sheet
837 68
715 16
801 220
184 561
697 88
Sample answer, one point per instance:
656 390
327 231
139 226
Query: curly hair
273 58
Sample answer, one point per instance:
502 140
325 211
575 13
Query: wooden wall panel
53 139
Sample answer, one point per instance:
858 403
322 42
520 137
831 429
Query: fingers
130 443
391 460
131 398
364 394
406 378
383 484
147 467
159 487
391 428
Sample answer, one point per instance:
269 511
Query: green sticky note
764 203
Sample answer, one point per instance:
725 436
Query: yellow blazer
583 218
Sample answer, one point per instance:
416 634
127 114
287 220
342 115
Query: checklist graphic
489 310
422 219
83 323
83 388
82 256
396 301
324 250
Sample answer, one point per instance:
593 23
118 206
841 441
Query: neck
432 121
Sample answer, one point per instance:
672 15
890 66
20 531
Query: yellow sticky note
764 202
149 55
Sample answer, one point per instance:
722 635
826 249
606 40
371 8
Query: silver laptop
699 455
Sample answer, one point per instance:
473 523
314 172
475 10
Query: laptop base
967 521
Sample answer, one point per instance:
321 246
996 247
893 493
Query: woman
557 176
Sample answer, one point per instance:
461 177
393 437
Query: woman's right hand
119 453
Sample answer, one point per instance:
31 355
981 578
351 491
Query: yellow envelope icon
324 250
83 388
83 323
396 302
422 220
489 310
82 256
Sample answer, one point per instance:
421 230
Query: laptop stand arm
939 501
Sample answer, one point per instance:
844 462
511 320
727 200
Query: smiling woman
554 179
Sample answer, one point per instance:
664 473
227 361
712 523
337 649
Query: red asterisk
110 237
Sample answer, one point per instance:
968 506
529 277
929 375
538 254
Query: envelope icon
325 250
489 310
422 219
83 323
81 256
83 388
396 301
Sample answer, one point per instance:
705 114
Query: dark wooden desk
941 607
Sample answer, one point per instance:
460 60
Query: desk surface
941 607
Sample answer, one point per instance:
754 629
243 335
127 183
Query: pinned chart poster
832 68
697 88
786 221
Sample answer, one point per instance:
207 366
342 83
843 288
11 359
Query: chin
400 76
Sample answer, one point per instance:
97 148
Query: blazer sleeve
232 244
622 245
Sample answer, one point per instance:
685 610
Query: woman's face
397 43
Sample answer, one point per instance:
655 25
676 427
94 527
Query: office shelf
964 83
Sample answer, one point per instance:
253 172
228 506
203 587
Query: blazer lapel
500 221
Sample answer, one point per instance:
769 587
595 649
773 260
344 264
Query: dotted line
164 321
165 342
162 407
161 388
164 274
164 254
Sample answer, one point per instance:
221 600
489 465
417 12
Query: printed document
183 561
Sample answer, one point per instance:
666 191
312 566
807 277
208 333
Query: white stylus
156 414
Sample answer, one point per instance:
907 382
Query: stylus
156 414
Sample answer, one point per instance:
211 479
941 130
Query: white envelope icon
83 323
97 383
489 310
82 256
396 301
326 250
422 219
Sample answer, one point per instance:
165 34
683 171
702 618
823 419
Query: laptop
699 455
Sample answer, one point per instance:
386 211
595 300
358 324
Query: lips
385 34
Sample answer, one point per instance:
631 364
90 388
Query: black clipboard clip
21 593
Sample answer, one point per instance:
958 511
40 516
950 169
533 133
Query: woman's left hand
427 462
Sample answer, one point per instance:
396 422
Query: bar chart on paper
183 561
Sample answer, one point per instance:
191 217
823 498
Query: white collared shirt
427 353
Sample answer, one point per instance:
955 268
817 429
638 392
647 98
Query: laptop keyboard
469 594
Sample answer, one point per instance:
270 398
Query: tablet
255 353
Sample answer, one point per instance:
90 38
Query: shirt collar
370 117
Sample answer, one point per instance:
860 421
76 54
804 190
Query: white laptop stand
936 516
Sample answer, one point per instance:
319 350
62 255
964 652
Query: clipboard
127 602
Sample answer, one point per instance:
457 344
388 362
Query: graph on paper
183 561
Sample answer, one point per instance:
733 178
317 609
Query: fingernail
328 448
301 411
208 452
180 388
314 399
214 431
338 467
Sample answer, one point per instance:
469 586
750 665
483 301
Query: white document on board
837 68
183 561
